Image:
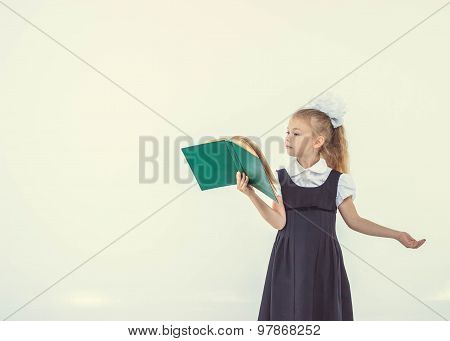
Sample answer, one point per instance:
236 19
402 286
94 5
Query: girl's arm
275 216
362 225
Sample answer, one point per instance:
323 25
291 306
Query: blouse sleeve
346 187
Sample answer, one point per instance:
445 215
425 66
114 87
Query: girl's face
299 140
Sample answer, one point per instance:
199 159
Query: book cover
215 163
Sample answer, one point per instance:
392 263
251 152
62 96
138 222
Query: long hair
335 148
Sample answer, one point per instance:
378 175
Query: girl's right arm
275 215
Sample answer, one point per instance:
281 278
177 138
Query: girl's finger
238 180
240 184
243 183
420 243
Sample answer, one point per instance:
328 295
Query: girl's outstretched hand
409 241
242 183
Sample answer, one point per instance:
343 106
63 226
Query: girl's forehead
299 123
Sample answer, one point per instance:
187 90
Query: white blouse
315 176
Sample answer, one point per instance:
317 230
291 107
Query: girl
306 277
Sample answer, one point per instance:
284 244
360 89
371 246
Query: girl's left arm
362 225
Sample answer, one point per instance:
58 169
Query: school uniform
306 278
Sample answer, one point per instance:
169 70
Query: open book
216 162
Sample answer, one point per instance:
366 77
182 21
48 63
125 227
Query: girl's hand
409 241
242 184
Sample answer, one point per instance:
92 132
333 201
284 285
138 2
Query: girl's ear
320 140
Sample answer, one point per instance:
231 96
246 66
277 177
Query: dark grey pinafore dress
306 278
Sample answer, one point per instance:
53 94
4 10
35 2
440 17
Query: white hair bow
330 105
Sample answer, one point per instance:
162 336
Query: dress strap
283 178
332 183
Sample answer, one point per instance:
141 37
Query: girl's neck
306 161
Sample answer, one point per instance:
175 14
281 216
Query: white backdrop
81 86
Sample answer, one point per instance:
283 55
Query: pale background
69 151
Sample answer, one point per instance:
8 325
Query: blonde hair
335 148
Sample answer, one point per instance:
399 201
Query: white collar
294 167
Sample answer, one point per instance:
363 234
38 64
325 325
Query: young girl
306 277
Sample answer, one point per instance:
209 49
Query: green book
215 164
